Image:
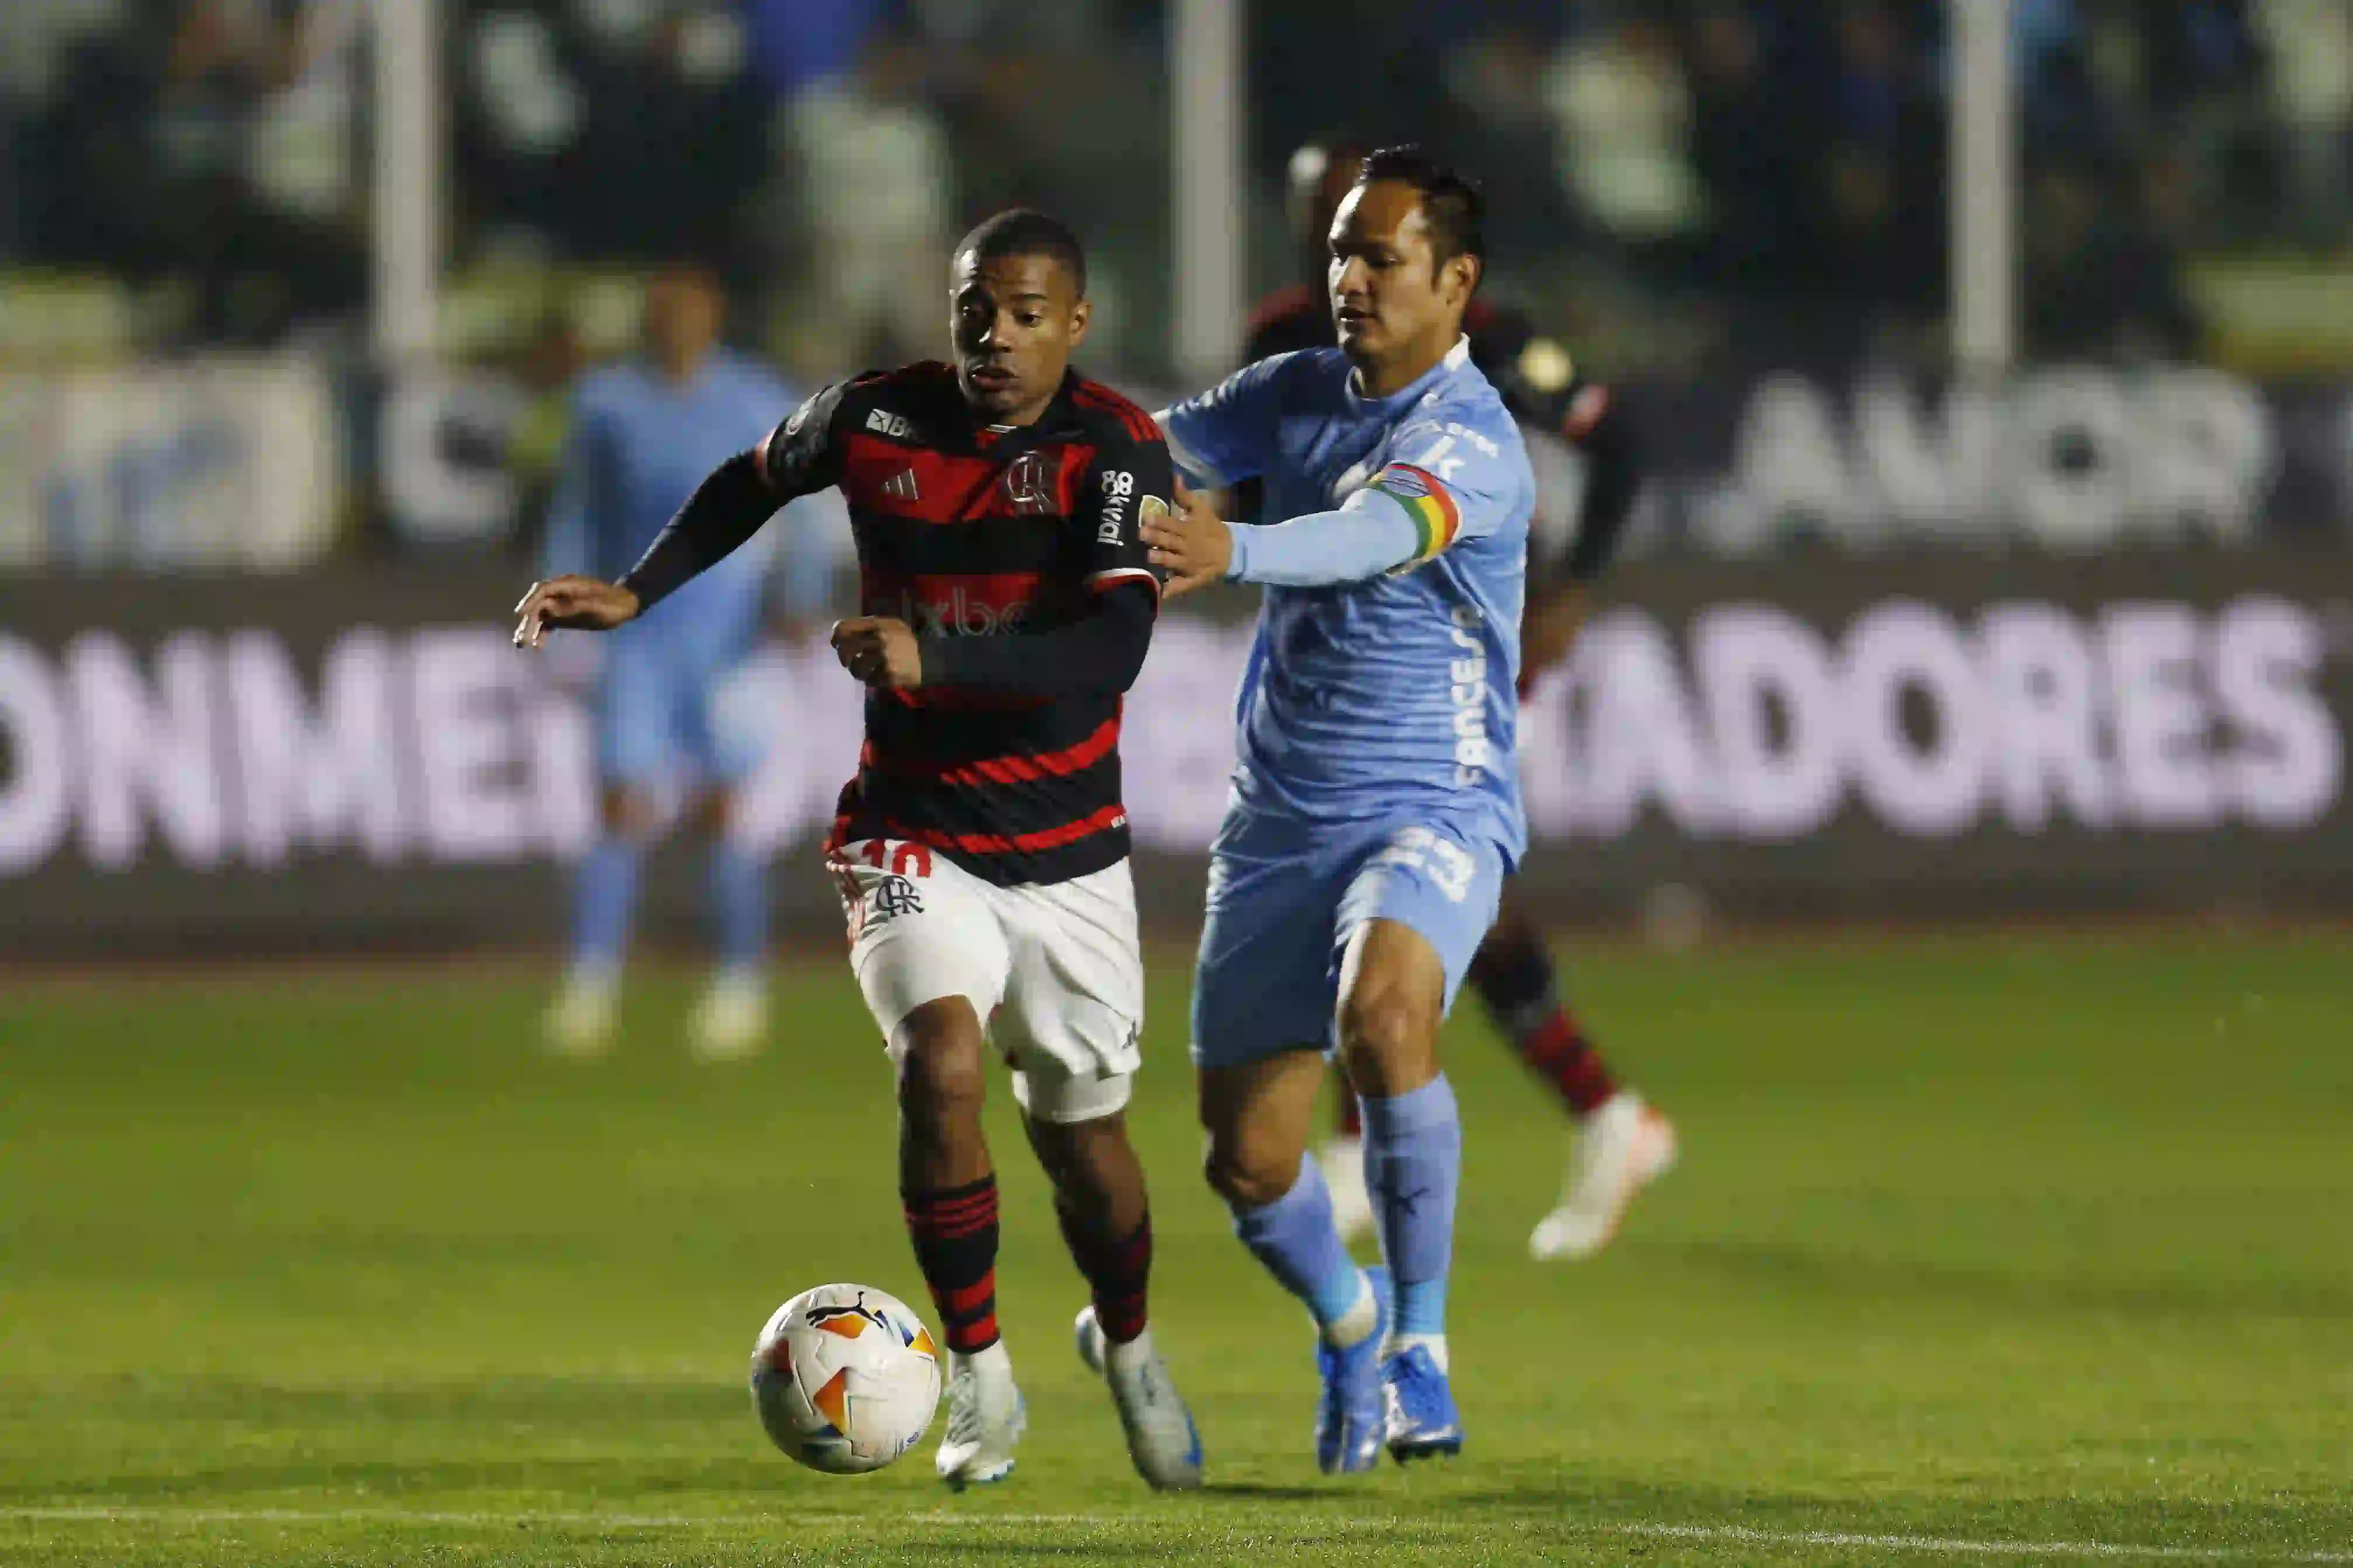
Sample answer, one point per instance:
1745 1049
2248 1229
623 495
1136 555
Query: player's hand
1191 543
1548 630
879 650
581 602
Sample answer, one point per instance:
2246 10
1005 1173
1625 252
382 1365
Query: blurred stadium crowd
1701 197
1686 176
2123 627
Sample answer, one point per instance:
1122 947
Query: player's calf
1099 1196
949 1188
941 1060
1105 1218
1393 999
1257 1116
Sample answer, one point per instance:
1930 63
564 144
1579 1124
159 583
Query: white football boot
1623 1147
1341 1161
985 1419
581 1021
1161 1437
731 1020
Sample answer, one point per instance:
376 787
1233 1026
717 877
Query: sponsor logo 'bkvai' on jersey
965 530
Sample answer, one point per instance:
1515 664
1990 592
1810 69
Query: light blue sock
1413 1167
739 906
603 897
1296 1237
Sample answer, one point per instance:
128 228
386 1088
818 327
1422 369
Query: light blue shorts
1284 899
655 715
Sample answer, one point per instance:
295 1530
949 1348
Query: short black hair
1023 231
1451 202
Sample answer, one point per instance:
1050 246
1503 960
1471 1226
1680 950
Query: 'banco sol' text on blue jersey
1381 682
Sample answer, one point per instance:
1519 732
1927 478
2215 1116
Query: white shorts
1053 969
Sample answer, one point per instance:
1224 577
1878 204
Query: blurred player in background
1375 803
1575 432
981 852
642 432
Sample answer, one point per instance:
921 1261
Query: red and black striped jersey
967 530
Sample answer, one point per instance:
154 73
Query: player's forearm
1099 655
725 511
1323 548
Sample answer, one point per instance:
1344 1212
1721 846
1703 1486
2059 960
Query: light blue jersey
639 444
1378 714
1391 695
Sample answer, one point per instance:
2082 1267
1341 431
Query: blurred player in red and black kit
1623 1144
981 851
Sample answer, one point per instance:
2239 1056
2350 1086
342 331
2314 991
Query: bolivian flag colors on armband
1426 501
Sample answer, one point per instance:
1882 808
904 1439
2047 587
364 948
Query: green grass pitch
1990 1249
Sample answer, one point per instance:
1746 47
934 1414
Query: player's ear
1082 312
1463 273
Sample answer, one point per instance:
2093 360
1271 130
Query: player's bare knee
1388 1038
1248 1173
941 1060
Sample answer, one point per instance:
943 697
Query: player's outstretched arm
1355 544
586 603
732 504
725 509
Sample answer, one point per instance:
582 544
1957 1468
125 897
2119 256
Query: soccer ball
845 1378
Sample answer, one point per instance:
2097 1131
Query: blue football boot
1421 1419
1351 1419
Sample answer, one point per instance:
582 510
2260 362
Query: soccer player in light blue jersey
644 433
1376 806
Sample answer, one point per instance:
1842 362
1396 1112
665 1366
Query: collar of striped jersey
1059 420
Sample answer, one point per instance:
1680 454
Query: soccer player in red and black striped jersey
1623 1144
981 851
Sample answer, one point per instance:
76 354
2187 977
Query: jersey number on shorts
901 859
1446 863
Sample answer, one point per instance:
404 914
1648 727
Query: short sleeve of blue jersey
1455 476
1227 434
